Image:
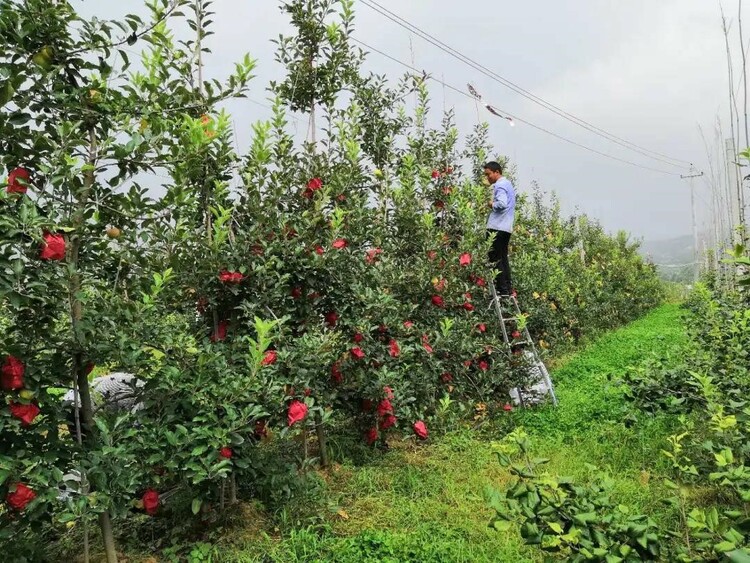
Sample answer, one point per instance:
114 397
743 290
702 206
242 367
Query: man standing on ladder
500 224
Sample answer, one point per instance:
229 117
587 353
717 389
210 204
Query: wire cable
516 118
521 91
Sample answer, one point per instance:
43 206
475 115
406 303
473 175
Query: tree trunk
233 489
313 136
105 523
747 130
744 72
304 447
322 444
76 315
86 548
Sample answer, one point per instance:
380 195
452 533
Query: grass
426 503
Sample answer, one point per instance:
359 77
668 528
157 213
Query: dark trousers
499 260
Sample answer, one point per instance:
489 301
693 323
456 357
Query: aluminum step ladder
540 383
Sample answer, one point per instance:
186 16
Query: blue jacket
503 206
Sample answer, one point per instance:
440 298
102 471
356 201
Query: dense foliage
705 391
263 298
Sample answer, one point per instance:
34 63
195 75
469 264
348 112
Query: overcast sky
648 71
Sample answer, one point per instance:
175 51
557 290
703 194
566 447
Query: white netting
536 389
118 391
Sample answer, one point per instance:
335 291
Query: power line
507 83
519 90
516 118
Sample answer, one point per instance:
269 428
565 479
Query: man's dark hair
494 166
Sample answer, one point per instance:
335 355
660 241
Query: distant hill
671 251
669 254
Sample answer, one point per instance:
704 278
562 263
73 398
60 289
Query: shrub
261 297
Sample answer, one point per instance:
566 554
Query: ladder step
508 304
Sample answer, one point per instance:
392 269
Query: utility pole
691 177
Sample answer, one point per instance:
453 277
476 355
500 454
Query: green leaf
739 556
712 519
102 426
502 525
585 518
196 506
19 119
724 546
530 533
6 93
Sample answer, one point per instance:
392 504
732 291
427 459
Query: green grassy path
426 504
584 381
